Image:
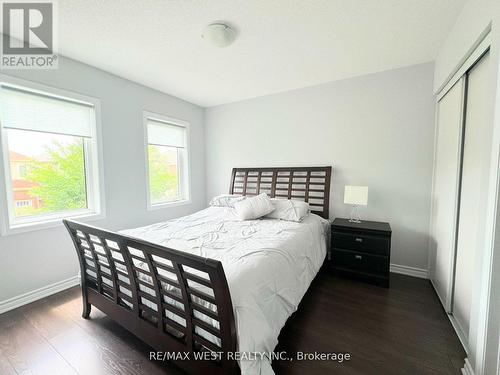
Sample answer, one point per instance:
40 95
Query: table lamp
357 196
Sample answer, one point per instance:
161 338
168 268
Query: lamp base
355 218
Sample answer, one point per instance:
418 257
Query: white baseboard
467 369
410 271
24 299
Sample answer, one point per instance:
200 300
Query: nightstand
361 250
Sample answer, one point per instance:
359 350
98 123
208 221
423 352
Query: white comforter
268 263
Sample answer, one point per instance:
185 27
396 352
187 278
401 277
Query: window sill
159 206
17 228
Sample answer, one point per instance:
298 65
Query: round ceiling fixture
219 34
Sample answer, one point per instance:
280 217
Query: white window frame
93 162
184 168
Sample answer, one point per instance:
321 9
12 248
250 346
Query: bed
209 284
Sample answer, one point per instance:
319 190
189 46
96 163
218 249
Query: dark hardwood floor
401 330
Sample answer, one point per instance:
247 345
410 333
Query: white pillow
254 207
287 209
226 200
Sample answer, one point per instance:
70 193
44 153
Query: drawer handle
359 239
358 257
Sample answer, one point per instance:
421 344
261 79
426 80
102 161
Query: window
22 171
167 160
23 203
50 156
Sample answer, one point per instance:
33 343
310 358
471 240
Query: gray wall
376 130
33 260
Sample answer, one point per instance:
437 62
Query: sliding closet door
474 188
445 189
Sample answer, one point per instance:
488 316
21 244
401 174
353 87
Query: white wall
476 17
376 130
32 260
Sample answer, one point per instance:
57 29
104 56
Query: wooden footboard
167 298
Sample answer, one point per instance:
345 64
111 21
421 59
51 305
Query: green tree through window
59 179
163 179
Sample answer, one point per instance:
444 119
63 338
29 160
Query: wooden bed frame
309 184
155 292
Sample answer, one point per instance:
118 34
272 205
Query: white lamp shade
357 195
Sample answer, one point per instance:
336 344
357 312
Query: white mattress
269 264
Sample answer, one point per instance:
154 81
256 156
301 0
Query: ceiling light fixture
219 34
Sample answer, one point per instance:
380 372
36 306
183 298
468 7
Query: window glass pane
47 172
163 174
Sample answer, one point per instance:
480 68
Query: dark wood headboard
309 184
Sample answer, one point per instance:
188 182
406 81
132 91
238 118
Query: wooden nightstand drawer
357 261
361 242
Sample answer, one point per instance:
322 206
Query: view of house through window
166 161
47 172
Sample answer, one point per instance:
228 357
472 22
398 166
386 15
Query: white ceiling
281 44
